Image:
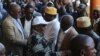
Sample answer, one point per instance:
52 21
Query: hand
58 5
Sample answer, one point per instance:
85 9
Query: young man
83 45
27 19
14 37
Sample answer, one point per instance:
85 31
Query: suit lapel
65 42
19 27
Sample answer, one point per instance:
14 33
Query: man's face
49 17
40 28
90 50
96 14
16 11
29 12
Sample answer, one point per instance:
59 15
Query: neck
28 18
15 17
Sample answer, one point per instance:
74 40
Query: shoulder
56 23
8 21
72 31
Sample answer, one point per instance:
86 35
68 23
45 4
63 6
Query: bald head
2 50
66 22
15 10
82 42
14 5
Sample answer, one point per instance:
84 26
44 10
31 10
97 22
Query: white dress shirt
51 32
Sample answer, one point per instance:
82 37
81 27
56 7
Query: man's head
83 23
39 24
50 13
83 45
96 12
29 11
33 4
2 50
15 10
66 22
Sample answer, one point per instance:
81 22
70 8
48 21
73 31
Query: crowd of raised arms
49 28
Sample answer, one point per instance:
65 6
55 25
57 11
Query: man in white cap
37 37
39 44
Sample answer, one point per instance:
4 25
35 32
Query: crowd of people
49 28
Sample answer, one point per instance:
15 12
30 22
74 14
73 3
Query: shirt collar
67 30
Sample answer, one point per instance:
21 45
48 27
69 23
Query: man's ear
82 52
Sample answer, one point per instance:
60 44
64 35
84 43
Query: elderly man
27 19
14 36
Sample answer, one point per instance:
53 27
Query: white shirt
27 27
51 31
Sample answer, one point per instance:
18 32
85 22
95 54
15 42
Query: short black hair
28 6
78 43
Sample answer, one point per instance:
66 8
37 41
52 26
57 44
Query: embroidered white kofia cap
83 22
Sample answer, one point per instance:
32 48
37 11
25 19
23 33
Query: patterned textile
39 46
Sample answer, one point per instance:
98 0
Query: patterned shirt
40 46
